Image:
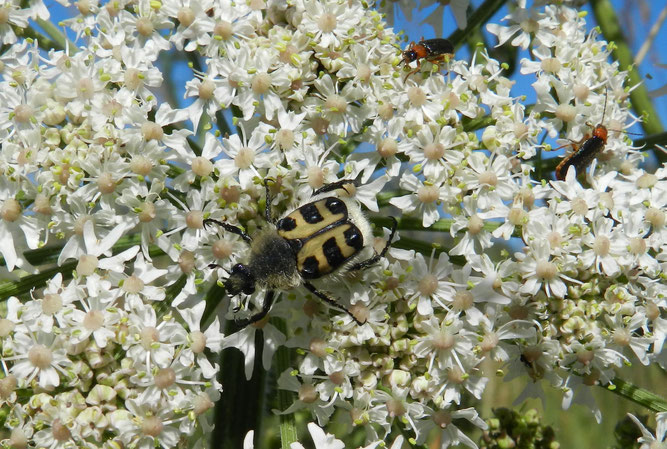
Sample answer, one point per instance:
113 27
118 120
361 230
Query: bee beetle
318 239
432 50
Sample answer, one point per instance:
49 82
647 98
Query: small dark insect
431 50
583 153
322 237
585 150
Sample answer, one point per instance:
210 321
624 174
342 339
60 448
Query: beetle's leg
332 302
266 306
334 186
419 65
230 228
574 143
373 260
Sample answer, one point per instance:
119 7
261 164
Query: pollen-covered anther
601 245
7 386
488 178
186 261
489 342
434 151
444 340
388 147
224 29
148 336
144 26
93 320
261 83
637 246
52 303
546 270
442 418
202 403
284 138
286 54
585 357
231 194
222 249
555 239
360 312
165 378
42 204
621 337
244 158
428 285
336 103
133 79
463 300
152 426
11 210
517 216
133 284
364 73
151 131
655 217
318 347
201 166
185 16
206 89
315 177
60 431
147 213
194 219
395 407
308 394
106 183
416 96
87 265
85 88
566 112
337 377
580 91
646 181
428 194
40 356
198 344
23 113
551 65
579 206
327 22
385 111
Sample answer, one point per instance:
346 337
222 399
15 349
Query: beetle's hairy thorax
273 262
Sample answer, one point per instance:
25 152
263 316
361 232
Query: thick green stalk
637 395
288 433
605 16
475 21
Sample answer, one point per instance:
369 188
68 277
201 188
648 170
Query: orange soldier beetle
431 50
585 150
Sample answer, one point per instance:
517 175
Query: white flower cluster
90 153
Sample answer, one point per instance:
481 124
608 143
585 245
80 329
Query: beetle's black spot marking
310 213
311 268
286 224
336 206
332 253
354 238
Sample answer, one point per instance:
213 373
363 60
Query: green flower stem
288 432
475 21
58 40
605 16
415 224
637 395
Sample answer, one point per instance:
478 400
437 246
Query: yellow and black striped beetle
324 236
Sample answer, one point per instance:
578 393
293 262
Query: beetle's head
240 280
